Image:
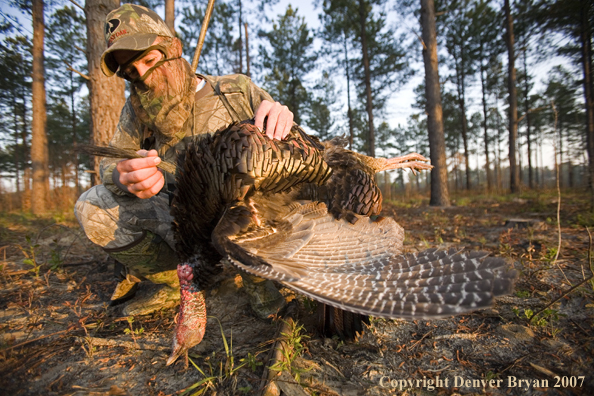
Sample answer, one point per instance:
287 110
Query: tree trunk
74 154
485 126
39 152
363 20
170 15
247 50
560 128
439 174
106 94
348 77
16 146
499 179
25 200
514 173
528 130
460 87
585 43
240 46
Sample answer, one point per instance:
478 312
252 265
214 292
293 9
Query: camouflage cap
130 27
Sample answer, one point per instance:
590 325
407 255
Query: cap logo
111 26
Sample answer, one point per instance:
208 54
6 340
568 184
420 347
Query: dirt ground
59 337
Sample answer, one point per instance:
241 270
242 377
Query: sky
399 106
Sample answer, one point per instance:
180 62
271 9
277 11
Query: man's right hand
140 176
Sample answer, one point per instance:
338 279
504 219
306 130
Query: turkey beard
164 101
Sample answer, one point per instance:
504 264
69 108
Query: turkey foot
411 161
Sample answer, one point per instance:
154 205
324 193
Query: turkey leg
413 161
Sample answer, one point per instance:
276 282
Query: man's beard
164 101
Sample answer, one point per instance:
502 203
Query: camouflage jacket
232 98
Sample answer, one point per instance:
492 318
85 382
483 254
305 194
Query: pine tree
380 65
337 33
485 31
514 171
66 58
323 105
218 54
287 59
525 30
39 151
574 19
560 90
106 94
462 59
15 96
439 179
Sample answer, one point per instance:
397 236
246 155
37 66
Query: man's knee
99 214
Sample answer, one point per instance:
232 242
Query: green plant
545 319
226 370
438 237
131 330
522 293
30 256
425 242
585 219
251 362
293 348
55 260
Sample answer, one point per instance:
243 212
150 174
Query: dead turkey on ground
306 215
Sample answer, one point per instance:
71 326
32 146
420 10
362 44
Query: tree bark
106 94
364 49
439 174
247 50
485 126
39 151
528 129
170 15
240 46
74 124
16 146
461 88
348 77
585 43
26 198
514 173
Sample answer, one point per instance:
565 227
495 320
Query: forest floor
58 336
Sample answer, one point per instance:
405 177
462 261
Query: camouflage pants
121 224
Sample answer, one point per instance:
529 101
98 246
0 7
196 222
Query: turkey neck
192 305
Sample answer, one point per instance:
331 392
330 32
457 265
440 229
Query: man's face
137 68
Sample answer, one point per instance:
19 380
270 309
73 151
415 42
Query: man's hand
140 176
280 119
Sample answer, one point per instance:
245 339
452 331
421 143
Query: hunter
128 214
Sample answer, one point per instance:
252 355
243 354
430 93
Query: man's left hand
280 119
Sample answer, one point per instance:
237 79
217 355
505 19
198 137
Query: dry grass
58 336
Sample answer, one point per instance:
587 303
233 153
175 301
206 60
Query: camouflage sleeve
127 135
257 95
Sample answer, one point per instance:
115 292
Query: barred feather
306 215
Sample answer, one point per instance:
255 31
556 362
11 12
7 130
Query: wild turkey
306 215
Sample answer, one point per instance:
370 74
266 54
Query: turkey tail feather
335 321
